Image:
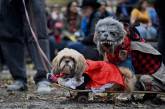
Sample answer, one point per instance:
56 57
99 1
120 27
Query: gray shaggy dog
109 33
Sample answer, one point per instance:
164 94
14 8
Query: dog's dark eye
112 33
101 32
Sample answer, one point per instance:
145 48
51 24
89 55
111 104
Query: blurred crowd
73 25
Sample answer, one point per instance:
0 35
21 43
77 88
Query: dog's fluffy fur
129 79
70 62
76 65
110 33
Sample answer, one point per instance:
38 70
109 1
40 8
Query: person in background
153 14
92 11
55 26
65 31
86 45
100 14
124 7
15 34
55 12
72 20
140 15
102 11
111 7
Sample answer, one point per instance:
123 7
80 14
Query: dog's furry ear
55 64
80 66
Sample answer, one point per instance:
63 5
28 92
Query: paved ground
56 100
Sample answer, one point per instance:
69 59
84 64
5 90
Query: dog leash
45 61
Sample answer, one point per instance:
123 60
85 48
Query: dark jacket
13 23
10 19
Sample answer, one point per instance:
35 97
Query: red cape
102 72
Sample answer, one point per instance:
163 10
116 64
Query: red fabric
102 73
114 58
54 77
145 63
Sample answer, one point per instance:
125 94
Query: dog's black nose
105 34
67 61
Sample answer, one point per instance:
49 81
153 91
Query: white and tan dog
69 62
73 65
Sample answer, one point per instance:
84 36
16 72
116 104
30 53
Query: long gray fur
109 30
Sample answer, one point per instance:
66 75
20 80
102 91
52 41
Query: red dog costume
101 73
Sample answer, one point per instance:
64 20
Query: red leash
45 61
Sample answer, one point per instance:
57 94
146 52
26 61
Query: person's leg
36 57
77 46
14 57
87 51
40 77
38 21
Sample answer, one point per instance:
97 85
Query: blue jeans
88 51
